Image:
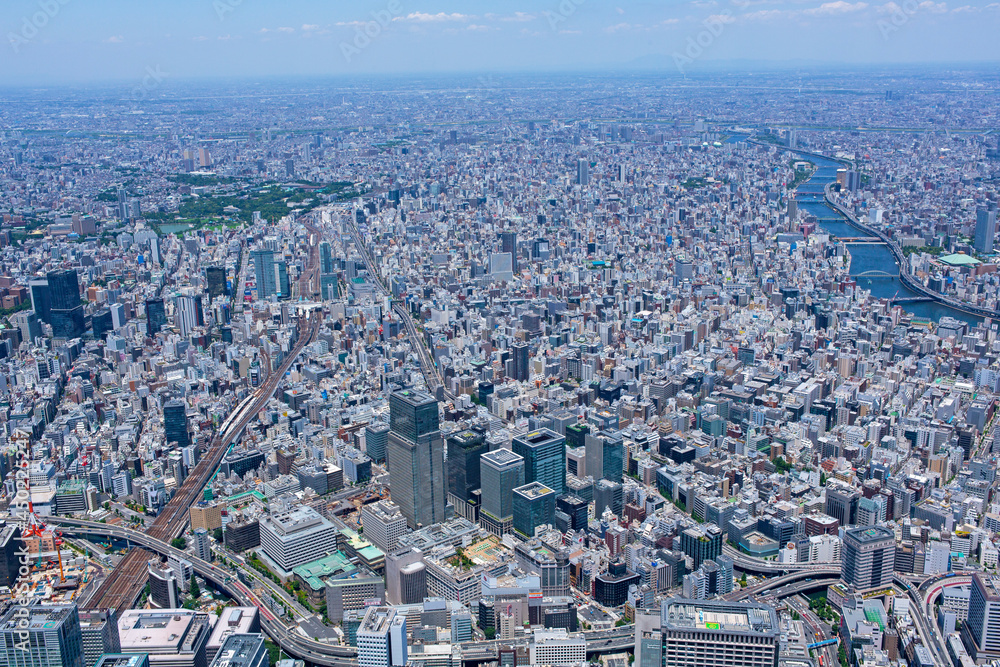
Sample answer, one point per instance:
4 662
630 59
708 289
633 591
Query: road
818 629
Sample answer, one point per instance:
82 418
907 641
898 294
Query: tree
179 543
490 633
217 535
743 580
195 590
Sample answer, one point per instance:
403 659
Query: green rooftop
960 259
313 572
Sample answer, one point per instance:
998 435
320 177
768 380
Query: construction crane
34 527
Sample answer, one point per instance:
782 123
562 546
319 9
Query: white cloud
286 30
440 17
838 7
618 27
115 39
725 17
619 10
933 7
478 28
308 27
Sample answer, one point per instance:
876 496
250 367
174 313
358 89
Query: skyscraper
376 437
156 316
583 171
10 539
981 630
521 359
534 505
501 471
264 274
415 457
986 229
464 451
508 243
54 637
704 632
283 286
544 453
202 547
605 456
382 638
325 258
175 423
868 556
40 299
66 310
842 504
215 279
99 630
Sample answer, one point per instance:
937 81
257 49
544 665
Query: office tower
53 636
981 630
284 288
583 171
708 632
552 566
415 457
382 638
534 504
376 438
556 646
174 637
576 508
164 589
521 357
241 535
242 650
202 547
188 313
868 557
175 422
156 316
122 208
501 471
296 536
605 456
101 323
508 243
405 577
325 257
39 290
464 451
702 543
986 229
10 540
215 279
842 504
232 621
611 588
608 495
65 308
204 157
384 524
264 274
544 453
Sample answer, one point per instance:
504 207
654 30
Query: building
415 457
405 577
99 634
382 638
521 358
242 535
296 536
215 279
264 273
201 544
605 455
170 637
464 451
383 524
242 650
53 636
233 621
608 495
611 588
842 504
164 587
175 422
552 567
376 439
352 591
10 540
206 515
544 454
702 543
986 230
156 316
868 557
534 504
701 632
981 631
556 646
501 471
121 660
65 307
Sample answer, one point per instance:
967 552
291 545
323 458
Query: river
867 256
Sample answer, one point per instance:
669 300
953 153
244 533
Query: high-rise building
702 543
201 544
501 471
521 358
544 453
39 290
164 589
981 630
215 279
264 274
405 577
464 451
242 650
384 524
583 171
986 229
376 437
10 540
156 316
65 307
534 505
170 637
415 457
868 557
605 455
382 638
508 243
297 536
53 636
325 257
175 422
842 504
281 282
608 495
704 632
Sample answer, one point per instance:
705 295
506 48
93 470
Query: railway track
124 583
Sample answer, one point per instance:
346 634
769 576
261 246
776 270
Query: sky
92 41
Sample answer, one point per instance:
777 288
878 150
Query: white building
382 638
557 647
297 536
384 524
824 549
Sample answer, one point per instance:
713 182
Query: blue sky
98 40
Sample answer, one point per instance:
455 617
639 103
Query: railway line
122 586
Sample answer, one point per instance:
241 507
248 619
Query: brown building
206 515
